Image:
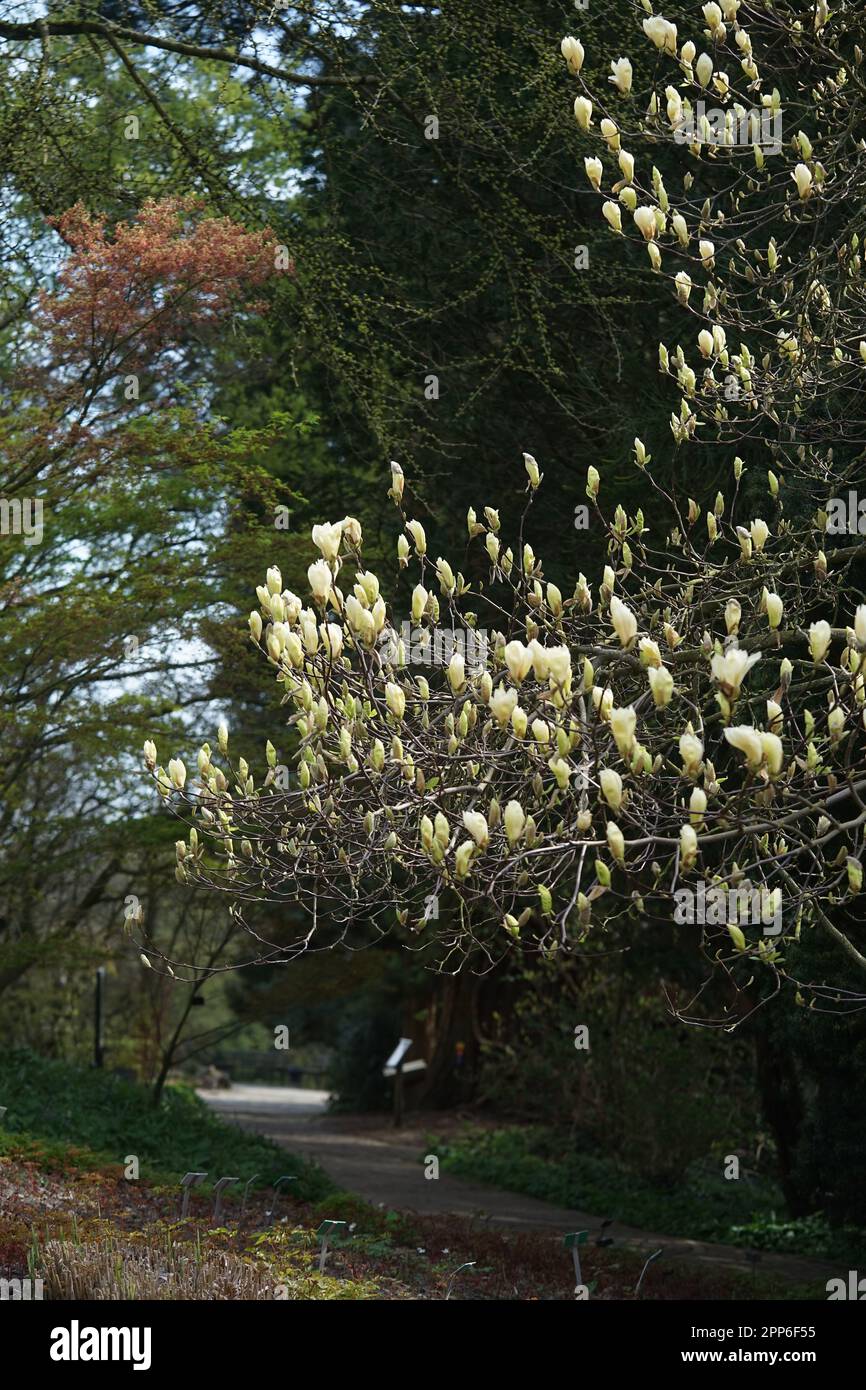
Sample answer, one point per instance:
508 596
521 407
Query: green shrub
88 1108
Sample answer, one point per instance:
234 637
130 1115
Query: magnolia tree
681 736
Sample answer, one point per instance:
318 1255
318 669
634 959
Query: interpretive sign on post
324 1233
398 1068
189 1181
573 1243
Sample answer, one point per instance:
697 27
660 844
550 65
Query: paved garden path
366 1155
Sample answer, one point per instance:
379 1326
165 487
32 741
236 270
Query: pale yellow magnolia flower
457 673
514 821
622 726
623 620
748 741
688 846
730 670
621 75
573 52
518 659
416 531
661 685
612 214
616 841
395 699
662 33
320 579
327 538
820 636
594 171
502 704
650 654
583 112
774 753
476 824
611 787
691 752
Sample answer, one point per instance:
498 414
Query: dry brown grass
149 1268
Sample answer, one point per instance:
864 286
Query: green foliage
114 1118
698 1204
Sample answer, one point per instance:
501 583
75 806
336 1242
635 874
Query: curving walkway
366 1155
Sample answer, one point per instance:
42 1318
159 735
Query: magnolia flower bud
416 531
320 580
177 773
445 574
623 620
691 752
836 723
616 842
397 481
223 737
583 112
476 824
611 787
697 805
502 704
688 847
645 221
708 251
540 731
419 602
457 673
820 636
395 699
150 754
532 472
680 226
622 726
274 580
704 69
748 741
774 755
650 654
463 858
514 820
855 874
802 176
661 684
610 132
759 531
594 171
733 614
518 659
775 609
519 721
255 625
860 625
612 215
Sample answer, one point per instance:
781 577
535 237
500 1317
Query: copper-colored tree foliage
693 718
